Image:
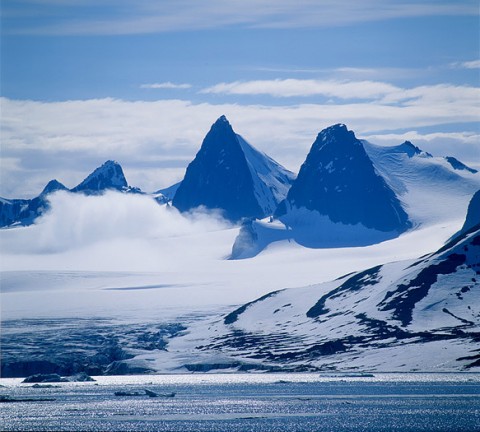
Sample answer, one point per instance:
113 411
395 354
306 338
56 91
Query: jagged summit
338 180
52 186
108 176
459 166
231 175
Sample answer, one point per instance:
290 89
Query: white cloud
474 64
165 85
367 90
76 221
306 87
149 16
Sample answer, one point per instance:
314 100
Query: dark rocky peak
108 176
52 186
409 149
219 177
338 180
337 135
229 174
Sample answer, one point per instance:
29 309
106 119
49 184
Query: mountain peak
336 136
108 176
221 120
409 149
52 186
229 174
338 180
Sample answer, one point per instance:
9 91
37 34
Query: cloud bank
76 221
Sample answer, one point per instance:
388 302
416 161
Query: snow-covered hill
230 175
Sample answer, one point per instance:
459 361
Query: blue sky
75 73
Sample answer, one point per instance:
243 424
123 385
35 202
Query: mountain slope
229 174
406 315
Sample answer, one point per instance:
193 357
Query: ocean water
250 402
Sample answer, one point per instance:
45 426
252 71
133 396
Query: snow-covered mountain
25 211
230 175
346 184
338 180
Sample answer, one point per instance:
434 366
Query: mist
76 221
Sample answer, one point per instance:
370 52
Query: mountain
231 175
108 176
403 316
25 211
331 204
339 180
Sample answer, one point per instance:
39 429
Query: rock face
338 180
229 174
108 176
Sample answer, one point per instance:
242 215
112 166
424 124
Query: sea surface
249 402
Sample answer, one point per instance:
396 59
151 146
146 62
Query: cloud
366 90
306 87
165 85
105 17
76 221
474 64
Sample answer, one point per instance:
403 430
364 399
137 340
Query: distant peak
107 176
457 165
52 186
410 148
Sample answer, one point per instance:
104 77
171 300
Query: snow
430 189
271 180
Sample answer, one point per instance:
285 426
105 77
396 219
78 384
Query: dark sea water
250 402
